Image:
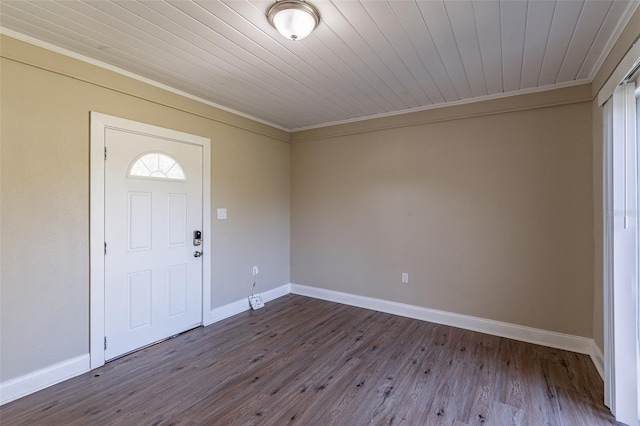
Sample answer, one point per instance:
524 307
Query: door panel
153 282
177 289
177 219
139 303
139 221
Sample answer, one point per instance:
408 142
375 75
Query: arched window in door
156 165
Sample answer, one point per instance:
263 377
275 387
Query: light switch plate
222 213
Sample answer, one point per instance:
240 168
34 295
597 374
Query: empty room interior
435 202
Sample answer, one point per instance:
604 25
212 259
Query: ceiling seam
399 56
455 41
484 74
546 43
573 33
584 60
613 38
407 35
373 72
524 43
435 46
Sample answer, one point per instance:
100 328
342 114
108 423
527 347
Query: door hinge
105 153
105 248
105 343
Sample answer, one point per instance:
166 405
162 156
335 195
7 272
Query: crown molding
447 104
56 49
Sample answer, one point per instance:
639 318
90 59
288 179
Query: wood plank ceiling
366 58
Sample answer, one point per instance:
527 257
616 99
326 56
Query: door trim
99 123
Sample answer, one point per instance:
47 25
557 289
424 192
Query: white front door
153 205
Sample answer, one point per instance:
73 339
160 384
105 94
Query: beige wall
44 289
629 36
491 215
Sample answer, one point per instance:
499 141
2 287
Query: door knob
197 253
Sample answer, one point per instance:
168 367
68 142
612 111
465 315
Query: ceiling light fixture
294 19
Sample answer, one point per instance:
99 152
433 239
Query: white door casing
120 136
153 203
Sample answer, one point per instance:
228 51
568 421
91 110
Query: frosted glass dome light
294 19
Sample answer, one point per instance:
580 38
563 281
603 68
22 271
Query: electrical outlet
405 278
256 271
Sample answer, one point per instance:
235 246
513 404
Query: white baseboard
40 379
598 358
37 380
497 328
234 308
49 376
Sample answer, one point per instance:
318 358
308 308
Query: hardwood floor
309 362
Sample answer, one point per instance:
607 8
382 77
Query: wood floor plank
301 361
